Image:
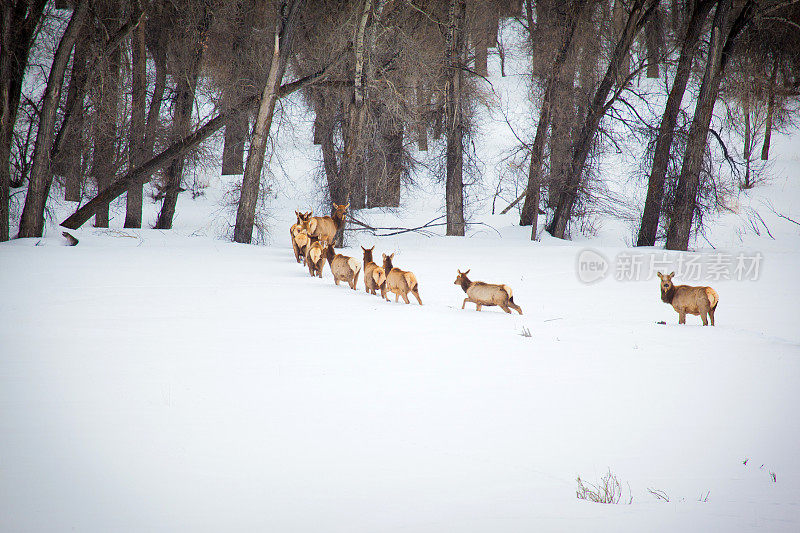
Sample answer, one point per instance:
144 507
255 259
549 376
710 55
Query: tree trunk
136 135
666 131
32 221
5 118
618 23
393 168
18 23
748 141
105 132
421 126
67 161
684 207
641 11
181 120
530 209
770 111
251 181
653 32
233 148
454 188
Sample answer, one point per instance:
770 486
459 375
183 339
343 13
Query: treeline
100 97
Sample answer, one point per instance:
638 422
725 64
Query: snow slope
173 381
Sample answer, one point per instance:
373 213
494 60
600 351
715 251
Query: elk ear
467 272
660 275
384 256
363 248
670 276
346 207
373 247
392 256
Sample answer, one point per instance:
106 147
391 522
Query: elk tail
713 297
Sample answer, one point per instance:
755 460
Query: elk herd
313 244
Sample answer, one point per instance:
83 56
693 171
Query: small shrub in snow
608 490
660 494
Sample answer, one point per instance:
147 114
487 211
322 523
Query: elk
687 299
300 243
400 282
294 230
374 275
315 256
343 268
325 228
488 294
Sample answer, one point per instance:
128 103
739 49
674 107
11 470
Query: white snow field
160 382
174 381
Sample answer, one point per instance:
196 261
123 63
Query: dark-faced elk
686 299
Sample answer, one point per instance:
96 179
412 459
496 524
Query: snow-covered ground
174 381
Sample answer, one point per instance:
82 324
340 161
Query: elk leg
396 297
505 308
681 317
711 315
704 318
477 306
465 303
514 306
405 298
415 292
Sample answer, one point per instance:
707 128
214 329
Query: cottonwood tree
723 38
32 221
285 20
639 14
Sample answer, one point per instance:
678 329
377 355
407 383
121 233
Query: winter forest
172 358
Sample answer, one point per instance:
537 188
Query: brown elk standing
487 294
687 299
325 228
315 256
400 282
299 254
374 275
343 268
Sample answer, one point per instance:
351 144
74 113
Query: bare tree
640 12
32 222
19 21
251 181
723 36
655 187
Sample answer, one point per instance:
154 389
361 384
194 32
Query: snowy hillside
174 381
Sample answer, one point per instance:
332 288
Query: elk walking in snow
400 282
488 294
687 299
294 230
374 275
343 268
325 228
315 256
